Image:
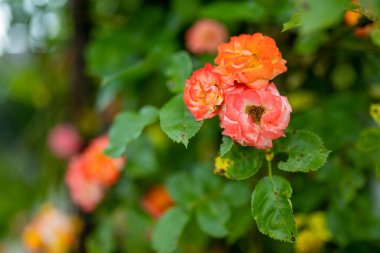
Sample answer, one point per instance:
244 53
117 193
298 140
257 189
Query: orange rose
249 59
202 94
97 166
156 201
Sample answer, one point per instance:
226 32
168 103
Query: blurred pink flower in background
90 174
85 193
205 36
64 141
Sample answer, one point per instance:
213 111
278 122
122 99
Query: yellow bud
375 112
222 165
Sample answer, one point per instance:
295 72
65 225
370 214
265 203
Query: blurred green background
84 61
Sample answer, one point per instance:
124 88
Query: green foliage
178 75
177 122
168 230
369 139
272 210
228 11
305 150
212 217
243 162
226 145
127 127
101 240
316 15
293 22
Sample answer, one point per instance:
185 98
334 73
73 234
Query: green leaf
182 190
236 193
377 169
178 70
101 240
375 36
233 11
369 139
127 127
226 145
142 160
321 14
139 69
239 224
177 122
169 229
212 217
240 163
305 150
293 22
272 209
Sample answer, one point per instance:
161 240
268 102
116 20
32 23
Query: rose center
256 112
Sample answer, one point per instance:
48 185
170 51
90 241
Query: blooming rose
97 166
205 36
249 59
89 174
85 193
64 141
202 93
51 231
156 201
255 117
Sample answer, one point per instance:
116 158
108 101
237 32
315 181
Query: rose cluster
251 110
91 173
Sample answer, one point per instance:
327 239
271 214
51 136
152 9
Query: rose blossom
91 173
99 167
85 193
249 59
255 117
64 141
202 93
51 231
205 36
156 201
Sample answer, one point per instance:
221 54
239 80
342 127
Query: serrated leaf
177 122
226 145
127 127
272 210
293 22
369 139
178 70
169 229
305 150
240 163
212 217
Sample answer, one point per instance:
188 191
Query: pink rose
255 117
64 141
202 93
205 36
85 193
